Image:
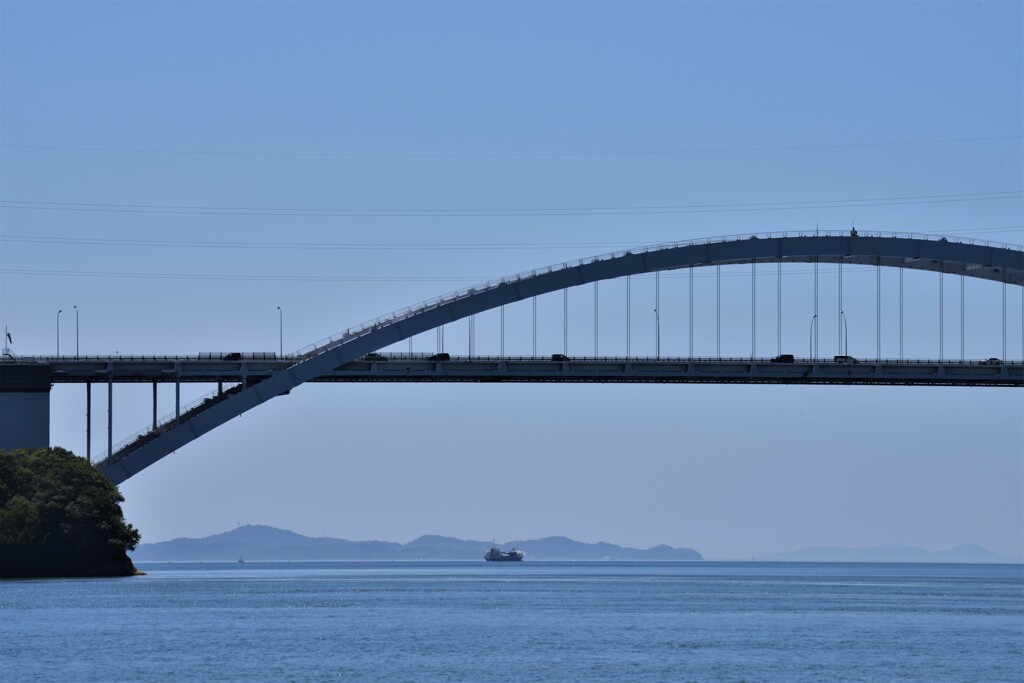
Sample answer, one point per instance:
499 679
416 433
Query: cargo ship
495 555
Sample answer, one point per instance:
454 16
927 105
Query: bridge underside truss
994 263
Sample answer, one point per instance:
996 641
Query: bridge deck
422 368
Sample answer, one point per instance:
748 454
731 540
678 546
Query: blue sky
179 170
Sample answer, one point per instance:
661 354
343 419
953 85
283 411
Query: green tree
60 517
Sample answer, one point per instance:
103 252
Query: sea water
530 621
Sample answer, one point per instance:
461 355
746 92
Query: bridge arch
996 262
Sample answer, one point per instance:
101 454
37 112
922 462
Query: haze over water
531 621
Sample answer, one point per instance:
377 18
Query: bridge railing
825 360
435 302
221 356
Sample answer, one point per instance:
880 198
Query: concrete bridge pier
24 406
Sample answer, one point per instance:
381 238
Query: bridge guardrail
425 355
225 356
860 360
397 316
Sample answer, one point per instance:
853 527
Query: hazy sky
180 170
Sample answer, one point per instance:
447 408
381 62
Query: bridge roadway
253 368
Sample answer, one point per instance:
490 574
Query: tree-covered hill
60 517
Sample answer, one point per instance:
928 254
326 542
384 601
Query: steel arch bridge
987 261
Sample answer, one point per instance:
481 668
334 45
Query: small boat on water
496 555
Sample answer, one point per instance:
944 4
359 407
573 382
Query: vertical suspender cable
753 309
718 311
941 310
878 309
691 313
565 321
628 311
1004 318
839 316
595 317
815 318
534 327
962 354
657 314
778 324
901 313
502 342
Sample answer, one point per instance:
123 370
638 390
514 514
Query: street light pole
810 336
58 331
76 332
280 333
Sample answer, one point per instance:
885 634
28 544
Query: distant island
60 517
966 553
268 544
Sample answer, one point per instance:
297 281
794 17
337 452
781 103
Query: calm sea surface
574 621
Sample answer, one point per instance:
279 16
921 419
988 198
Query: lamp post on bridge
76 331
280 333
58 331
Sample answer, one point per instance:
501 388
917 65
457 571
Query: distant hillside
264 543
966 553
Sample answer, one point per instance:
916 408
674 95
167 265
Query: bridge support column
88 422
24 407
110 413
154 406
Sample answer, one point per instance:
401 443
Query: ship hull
495 555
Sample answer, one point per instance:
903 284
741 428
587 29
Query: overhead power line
354 246
490 212
377 246
200 275
399 155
